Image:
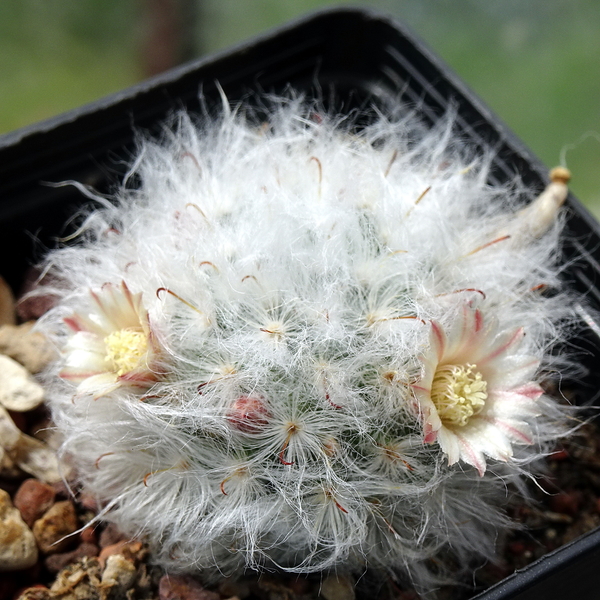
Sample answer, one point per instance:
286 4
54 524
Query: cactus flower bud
248 414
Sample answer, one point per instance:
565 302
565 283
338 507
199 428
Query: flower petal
104 316
85 341
438 340
78 323
139 377
506 403
505 343
471 455
511 371
466 334
489 439
448 442
530 390
98 385
427 413
77 375
518 431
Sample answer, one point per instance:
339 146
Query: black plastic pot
354 58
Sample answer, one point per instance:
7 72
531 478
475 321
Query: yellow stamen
458 392
125 349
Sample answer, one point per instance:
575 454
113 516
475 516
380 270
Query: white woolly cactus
300 343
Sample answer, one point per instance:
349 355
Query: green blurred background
535 62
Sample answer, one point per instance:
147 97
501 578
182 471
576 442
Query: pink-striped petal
530 390
512 371
438 340
490 440
78 323
502 347
518 431
98 385
471 455
448 442
141 378
77 375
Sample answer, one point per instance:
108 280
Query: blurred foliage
56 55
535 63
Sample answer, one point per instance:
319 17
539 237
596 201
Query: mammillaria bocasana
307 344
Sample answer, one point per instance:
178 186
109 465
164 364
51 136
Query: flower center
458 392
124 350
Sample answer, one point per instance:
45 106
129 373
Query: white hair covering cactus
304 344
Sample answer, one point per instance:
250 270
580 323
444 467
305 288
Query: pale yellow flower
475 396
112 344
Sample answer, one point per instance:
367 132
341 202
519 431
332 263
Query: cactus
300 343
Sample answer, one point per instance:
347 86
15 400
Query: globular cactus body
304 344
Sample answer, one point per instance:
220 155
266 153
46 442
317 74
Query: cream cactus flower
112 345
476 396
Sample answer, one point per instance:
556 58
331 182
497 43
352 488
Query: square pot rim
435 85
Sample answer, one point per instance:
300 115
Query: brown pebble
37 459
554 517
183 587
560 454
131 550
33 307
19 391
567 503
61 489
299 585
50 530
110 550
89 536
10 474
33 499
88 502
239 588
55 562
111 535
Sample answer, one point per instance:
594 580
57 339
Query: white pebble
18 390
26 452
